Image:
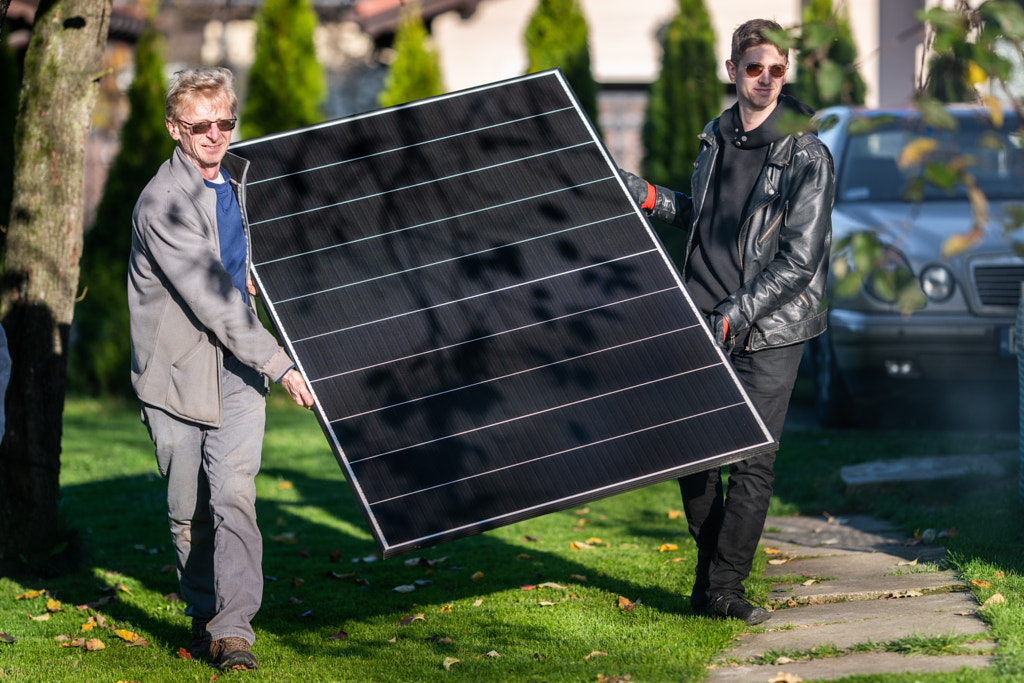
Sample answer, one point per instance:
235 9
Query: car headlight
937 282
890 276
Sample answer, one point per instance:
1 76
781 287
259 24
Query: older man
201 361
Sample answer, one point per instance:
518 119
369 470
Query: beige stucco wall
624 49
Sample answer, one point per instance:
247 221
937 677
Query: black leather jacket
784 242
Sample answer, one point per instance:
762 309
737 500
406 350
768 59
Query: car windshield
870 172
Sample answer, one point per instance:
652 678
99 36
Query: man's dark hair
751 34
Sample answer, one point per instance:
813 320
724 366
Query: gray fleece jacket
183 309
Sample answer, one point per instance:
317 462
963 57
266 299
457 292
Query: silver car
924 321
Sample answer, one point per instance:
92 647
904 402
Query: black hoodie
714 271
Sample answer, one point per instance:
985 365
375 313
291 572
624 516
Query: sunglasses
754 69
201 127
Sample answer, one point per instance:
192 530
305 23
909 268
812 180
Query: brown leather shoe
232 654
200 646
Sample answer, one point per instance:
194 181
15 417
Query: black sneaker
699 602
735 607
200 646
232 654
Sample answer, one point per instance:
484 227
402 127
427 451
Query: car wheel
832 402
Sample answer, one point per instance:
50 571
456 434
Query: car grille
999 285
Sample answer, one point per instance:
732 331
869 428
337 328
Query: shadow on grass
310 591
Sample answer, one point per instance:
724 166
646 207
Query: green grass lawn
472 603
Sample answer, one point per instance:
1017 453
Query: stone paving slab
852 564
863 576
922 468
869 593
818 536
846 624
849 665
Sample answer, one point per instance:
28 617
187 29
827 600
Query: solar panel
489 326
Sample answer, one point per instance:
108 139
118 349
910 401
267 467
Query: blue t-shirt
231 232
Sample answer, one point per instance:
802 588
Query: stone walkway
860 586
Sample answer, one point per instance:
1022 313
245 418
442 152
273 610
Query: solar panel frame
432 266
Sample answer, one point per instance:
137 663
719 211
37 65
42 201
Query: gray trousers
211 503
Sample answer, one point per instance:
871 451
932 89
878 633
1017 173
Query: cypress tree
100 353
685 96
415 72
557 36
286 84
826 59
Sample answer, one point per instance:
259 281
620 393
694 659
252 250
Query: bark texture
40 278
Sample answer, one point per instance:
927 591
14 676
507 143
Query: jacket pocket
189 392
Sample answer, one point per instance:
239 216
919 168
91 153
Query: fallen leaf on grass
7 638
30 595
284 485
578 577
595 653
675 514
527 587
126 635
444 608
524 556
545 603
980 584
580 545
785 677
184 654
408 619
551 584
340 635
477 576
493 654
583 511
478 602
667 547
45 616
595 541
996 599
626 604
53 606
94 645
601 678
89 625
448 661
404 589
780 560
772 551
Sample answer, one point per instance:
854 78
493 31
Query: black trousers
727 525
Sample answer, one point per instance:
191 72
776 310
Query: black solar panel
489 326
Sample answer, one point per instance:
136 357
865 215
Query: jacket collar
188 175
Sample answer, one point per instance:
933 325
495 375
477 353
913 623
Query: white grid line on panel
453 259
513 374
402 148
517 418
493 335
557 453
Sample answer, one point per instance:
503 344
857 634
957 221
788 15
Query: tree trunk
38 288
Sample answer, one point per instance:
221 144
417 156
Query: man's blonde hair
210 83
